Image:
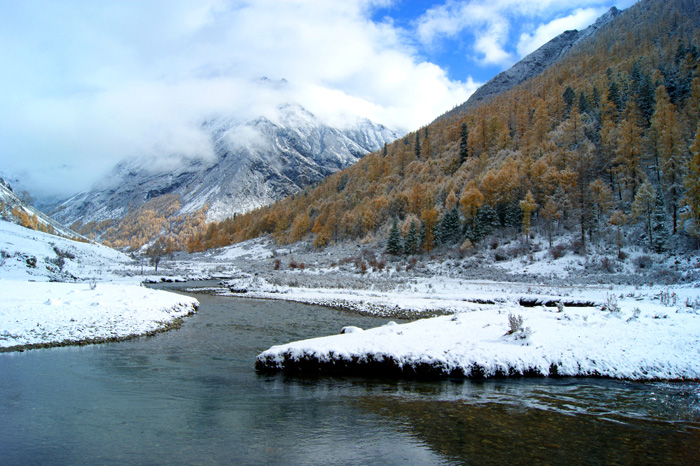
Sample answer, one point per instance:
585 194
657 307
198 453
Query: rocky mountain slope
15 210
256 163
533 64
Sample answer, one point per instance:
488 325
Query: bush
558 251
643 262
277 265
515 323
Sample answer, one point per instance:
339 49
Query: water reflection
191 397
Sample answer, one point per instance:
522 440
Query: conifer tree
463 144
643 207
658 226
692 187
393 243
569 97
417 146
411 241
450 227
670 150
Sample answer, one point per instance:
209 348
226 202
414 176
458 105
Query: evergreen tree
450 227
614 95
411 241
463 144
692 187
485 223
583 106
385 151
417 147
658 226
643 207
596 97
569 97
393 243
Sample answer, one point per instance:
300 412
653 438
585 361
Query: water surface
191 396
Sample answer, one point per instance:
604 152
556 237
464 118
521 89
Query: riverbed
191 396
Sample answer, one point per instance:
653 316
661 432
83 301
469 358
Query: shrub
515 323
611 304
558 251
643 262
277 264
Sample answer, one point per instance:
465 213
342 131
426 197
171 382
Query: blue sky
88 83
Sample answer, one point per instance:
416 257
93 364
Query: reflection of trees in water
496 434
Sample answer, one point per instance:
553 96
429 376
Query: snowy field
558 319
472 316
56 291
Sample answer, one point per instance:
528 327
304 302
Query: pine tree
417 146
583 106
670 149
463 144
692 187
658 226
393 243
411 241
569 97
643 207
450 227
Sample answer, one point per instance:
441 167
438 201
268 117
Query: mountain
534 64
601 150
256 162
15 210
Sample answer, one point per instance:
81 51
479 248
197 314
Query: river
191 397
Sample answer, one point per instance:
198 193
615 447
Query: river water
192 397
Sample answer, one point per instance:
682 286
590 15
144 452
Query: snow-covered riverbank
97 301
56 314
644 342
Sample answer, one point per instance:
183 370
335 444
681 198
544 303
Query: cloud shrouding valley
90 83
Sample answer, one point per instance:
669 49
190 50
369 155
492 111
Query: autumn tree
527 205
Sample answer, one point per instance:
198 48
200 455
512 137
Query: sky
89 83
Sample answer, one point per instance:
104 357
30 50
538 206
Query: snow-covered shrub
560 306
636 312
515 323
668 298
611 304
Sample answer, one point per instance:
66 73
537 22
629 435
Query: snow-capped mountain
256 162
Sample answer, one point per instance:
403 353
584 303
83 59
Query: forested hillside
604 146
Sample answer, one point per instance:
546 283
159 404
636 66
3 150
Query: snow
638 339
53 313
99 302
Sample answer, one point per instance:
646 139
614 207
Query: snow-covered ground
472 316
560 318
99 299
638 334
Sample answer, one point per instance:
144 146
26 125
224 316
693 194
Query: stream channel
192 397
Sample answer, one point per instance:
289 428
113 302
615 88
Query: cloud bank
89 83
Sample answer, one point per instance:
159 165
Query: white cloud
95 82
579 19
490 23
